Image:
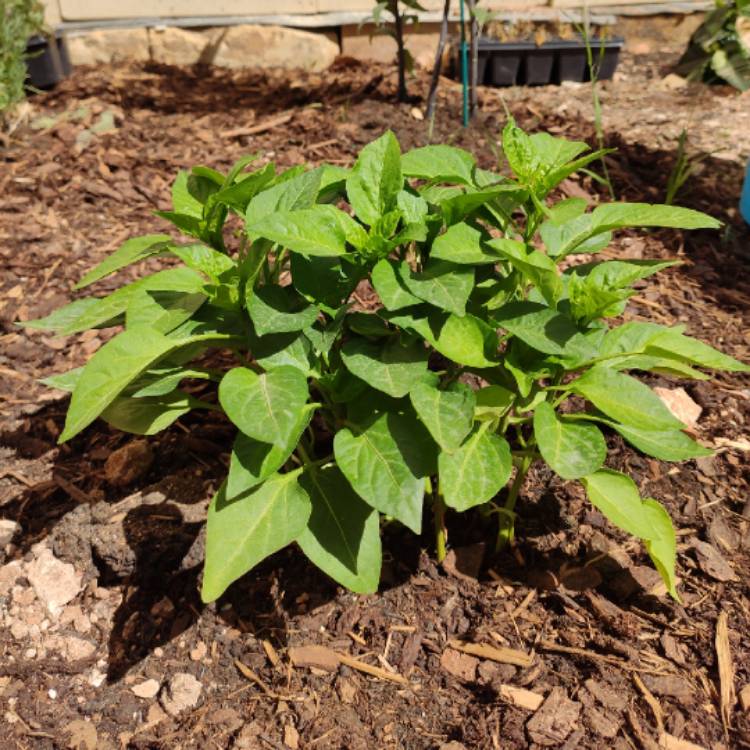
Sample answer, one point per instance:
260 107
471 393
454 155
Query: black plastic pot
538 66
47 62
511 63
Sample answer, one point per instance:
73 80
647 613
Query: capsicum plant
491 346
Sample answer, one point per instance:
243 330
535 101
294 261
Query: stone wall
244 46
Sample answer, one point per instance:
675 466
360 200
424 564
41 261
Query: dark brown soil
616 660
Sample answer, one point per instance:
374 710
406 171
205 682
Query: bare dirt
104 641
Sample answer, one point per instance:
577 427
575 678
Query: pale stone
147 689
174 46
8 530
250 46
182 692
680 404
56 583
72 648
673 82
108 46
9 574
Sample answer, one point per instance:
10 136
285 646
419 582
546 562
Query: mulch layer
567 640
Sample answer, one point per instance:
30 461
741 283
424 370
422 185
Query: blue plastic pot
745 198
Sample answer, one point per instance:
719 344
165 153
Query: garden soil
565 640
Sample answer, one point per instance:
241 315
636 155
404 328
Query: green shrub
465 373
719 50
19 20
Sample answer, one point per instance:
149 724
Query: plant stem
438 514
432 96
506 530
398 24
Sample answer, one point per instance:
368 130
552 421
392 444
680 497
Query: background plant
482 356
396 29
19 20
719 50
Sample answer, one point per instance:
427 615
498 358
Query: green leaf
413 207
162 310
617 497
625 399
318 231
673 343
571 450
666 445
328 281
390 367
389 285
611 216
84 314
458 207
276 309
204 259
67 317
462 243
129 252
386 464
343 533
445 285
183 201
117 364
288 195
466 340
276 350
368 324
266 407
253 461
476 472
64 381
492 402
237 195
540 270
149 415
241 533
376 180
662 545
439 163
540 327
447 414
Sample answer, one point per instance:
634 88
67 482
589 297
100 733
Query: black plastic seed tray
513 63
47 61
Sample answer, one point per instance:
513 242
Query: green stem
438 514
506 515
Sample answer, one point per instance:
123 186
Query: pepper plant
490 347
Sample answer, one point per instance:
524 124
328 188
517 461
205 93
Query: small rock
463 666
680 404
554 720
72 648
128 463
347 689
745 698
199 651
9 574
147 689
154 715
713 563
416 113
82 735
19 630
56 583
8 530
452 746
182 692
291 737
672 82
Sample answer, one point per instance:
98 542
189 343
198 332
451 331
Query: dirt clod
182 692
128 463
